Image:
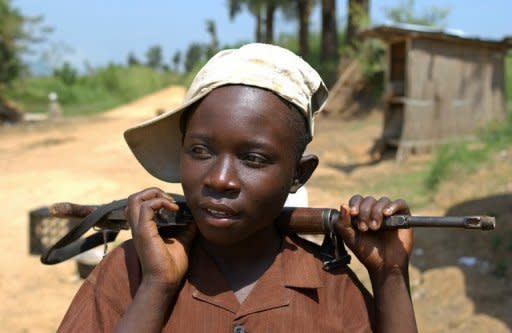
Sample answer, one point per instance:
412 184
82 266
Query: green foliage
98 91
359 12
176 60
452 157
154 57
195 54
259 9
406 184
405 13
370 54
16 32
213 47
132 60
468 156
67 74
11 30
358 19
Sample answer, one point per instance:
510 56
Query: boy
237 146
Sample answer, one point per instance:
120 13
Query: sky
103 31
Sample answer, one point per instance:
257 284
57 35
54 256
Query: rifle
109 219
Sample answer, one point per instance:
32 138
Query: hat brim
157 144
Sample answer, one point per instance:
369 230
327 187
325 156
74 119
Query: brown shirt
294 295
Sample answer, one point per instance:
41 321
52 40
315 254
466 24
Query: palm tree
304 8
255 7
329 42
358 18
264 13
269 21
211 28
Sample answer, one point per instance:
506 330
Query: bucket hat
156 143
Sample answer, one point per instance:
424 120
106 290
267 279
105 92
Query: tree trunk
329 48
259 34
303 11
358 16
269 23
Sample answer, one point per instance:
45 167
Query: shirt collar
296 266
299 264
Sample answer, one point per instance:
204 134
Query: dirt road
86 160
82 160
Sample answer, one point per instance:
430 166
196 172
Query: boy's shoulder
305 244
116 278
298 248
303 259
312 248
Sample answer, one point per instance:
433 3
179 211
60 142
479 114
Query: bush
67 74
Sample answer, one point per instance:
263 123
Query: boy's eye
200 151
256 160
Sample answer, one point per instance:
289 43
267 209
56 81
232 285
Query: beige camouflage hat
156 143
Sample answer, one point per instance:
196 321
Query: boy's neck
261 246
242 264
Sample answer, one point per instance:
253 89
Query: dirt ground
86 160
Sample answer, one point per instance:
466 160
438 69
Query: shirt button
238 329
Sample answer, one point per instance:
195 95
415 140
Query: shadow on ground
483 256
348 168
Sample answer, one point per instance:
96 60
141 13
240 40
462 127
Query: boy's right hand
380 251
164 262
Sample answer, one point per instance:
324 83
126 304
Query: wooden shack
439 85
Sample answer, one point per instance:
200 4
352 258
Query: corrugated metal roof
411 29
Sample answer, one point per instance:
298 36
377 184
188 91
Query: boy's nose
223 177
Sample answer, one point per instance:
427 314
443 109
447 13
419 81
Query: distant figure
54 110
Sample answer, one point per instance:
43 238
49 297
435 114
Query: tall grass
95 92
468 156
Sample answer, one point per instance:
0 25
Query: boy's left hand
380 251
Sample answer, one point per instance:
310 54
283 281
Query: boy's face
238 162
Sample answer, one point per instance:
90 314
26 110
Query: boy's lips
220 212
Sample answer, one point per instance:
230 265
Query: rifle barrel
466 222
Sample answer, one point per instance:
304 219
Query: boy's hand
164 262
380 251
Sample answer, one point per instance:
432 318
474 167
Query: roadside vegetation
470 156
93 92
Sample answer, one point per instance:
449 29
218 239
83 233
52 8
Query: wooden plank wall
419 106
452 90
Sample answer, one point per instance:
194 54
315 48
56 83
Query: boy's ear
305 167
